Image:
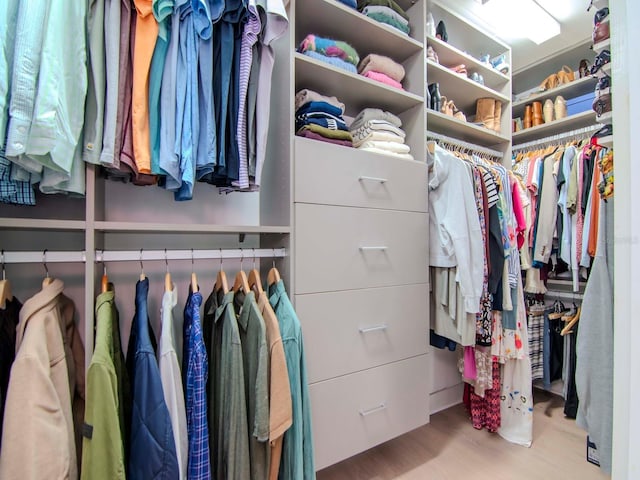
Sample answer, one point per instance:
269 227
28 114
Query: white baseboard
445 398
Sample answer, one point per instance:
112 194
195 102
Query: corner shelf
463 91
579 120
603 45
447 125
573 89
364 34
452 56
356 91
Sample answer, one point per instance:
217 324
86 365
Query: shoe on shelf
476 77
583 69
441 31
547 110
436 98
459 69
549 83
601 15
486 59
527 121
560 107
604 83
601 32
431 26
565 75
500 63
601 60
536 114
432 55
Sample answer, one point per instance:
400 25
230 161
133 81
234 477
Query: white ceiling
576 27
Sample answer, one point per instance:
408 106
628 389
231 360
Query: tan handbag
565 75
550 82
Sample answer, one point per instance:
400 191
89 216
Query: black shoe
603 83
441 31
602 59
436 100
604 131
601 15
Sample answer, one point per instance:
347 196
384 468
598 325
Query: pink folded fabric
379 63
382 78
470 371
317 136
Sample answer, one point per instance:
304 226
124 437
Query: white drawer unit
342 248
331 175
355 412
359 329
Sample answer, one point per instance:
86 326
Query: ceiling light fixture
520 18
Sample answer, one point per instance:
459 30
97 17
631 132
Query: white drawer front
332 175
356 412
354 330
342 248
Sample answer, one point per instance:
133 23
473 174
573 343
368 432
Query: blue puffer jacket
153 451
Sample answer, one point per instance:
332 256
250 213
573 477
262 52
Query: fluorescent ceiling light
520 18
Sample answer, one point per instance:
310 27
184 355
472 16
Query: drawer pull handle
379 408
373 179
375 328
382 248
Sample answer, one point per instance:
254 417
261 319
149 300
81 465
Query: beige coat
38 434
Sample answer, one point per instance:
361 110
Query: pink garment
382 78
519 212
470 371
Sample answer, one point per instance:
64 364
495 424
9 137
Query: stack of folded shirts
387 12
335 52
382 69
321 118
375 130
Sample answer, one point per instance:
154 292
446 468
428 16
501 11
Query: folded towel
330 48
380 136
381 64
350 3
383 78
326 132
306 95
387 11
323 121
390 146
404 156
361 134
317 136
375 114
389 20
384 3
323 107
335 61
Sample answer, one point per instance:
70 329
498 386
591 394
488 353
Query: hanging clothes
9 318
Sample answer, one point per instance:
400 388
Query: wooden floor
450 448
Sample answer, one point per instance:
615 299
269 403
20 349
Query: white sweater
455 238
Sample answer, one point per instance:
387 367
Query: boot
560 107
436 98
547 111
527 116
485 112
497 117
536 114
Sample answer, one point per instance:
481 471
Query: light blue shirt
8 20
297 449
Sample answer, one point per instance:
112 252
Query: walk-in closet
332 239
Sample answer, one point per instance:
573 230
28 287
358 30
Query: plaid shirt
14 192
195 353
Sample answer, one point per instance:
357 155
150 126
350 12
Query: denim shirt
153 451
297 451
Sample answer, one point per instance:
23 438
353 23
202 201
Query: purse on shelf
602 104
565 75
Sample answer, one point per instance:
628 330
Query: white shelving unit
467 131
578 87
572 122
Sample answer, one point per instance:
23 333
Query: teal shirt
297 450
162 10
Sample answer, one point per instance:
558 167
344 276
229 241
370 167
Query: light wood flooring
450 448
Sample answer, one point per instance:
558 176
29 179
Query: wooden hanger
241 281
572 322
47 280
104 281
255 283
221 279
5 286
194 278
273 276
168 284
142 275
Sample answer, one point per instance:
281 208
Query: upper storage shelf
356 91
572 122
469 132
361 32
573 89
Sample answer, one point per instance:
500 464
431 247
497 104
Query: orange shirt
595 212
145 42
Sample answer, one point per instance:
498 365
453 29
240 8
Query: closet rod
560 136
136 255
463 144
550 295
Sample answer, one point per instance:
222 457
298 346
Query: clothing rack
578 133
454 142
47 256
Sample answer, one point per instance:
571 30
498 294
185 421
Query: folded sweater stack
375 130
382 69
387 12
321 118
334 52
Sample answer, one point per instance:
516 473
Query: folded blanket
317 136
361 134
323 121
381 64
390 146
335 61
323 107
326 132
387 11
384 3
388 20
349 3
306 95
379 136
375 114
330 48
382 78
404 156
